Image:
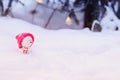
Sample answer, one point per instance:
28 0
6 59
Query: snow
58 54
110 21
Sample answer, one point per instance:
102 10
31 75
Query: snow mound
58 54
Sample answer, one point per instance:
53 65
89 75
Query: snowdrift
58 54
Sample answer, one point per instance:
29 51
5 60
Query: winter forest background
96 15
39 12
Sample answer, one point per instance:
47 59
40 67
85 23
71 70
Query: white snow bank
58 55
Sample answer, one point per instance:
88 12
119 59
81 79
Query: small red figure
25 41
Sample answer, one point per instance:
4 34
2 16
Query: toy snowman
25 41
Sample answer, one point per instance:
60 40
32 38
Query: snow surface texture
58 54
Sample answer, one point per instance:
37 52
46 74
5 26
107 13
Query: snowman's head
27 42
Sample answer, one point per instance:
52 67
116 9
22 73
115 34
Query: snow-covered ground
58 54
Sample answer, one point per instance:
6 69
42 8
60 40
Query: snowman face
27 42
